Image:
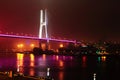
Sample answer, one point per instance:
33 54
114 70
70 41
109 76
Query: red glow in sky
85 19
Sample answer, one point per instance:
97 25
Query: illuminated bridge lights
36 38
43 24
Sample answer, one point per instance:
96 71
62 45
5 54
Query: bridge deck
36 38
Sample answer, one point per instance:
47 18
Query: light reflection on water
84 60
32 63
61 75
62 67
20 63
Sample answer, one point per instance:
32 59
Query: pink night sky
71 19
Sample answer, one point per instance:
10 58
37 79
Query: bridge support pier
44 45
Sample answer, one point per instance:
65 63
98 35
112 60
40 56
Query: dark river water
63 67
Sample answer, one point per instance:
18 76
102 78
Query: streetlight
20 46
61 45
32 46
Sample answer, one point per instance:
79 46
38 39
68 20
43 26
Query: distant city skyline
72 19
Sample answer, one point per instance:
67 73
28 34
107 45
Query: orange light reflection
57 58
44 57
32 72
61 75
20 62
61 63
31 60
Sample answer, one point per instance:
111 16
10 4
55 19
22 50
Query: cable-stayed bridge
36 38
43 32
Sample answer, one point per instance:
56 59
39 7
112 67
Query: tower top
43 33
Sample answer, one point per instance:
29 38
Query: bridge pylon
43 32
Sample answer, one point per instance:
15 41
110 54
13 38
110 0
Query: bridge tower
43 24
43 32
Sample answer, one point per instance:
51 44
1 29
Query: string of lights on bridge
30 36
43 24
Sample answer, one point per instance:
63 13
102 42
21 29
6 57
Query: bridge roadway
37 38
